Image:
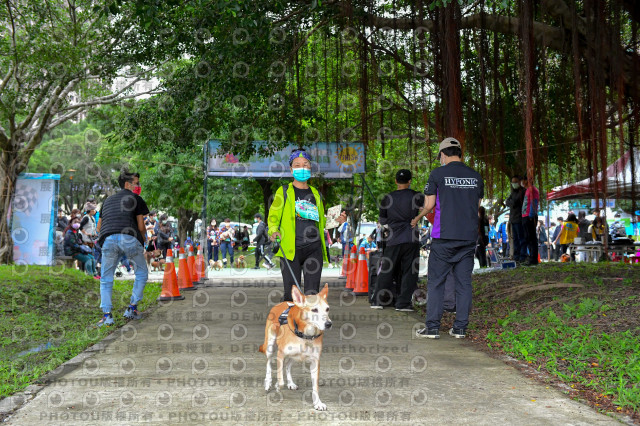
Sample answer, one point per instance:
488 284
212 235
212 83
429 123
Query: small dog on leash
297 329
217 265
158 265
151 255
240 262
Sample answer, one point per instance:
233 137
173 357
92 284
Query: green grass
39 305
586 337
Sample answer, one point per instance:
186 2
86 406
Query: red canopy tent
619 184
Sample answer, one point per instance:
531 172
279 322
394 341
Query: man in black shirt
454 191
402 249
122 233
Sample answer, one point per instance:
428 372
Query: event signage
33 216
332 160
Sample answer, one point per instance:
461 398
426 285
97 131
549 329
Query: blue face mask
301 174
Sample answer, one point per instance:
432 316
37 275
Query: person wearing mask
530 205
597 229
261 240
75 247
483 237
455 191
514 202
297 221
88 228
503 236
122 233
226 241
568 233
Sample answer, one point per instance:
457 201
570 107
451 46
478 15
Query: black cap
403 176
258 215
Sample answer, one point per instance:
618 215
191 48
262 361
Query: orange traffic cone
345 264
200 266
362 277
184 277
191 263
352 269
170 289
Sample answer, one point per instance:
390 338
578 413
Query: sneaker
97 277
404 309
458 333
450 310
130 272
377 307
431 333
107 319
256 267
132 313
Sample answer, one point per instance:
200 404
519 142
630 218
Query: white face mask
515 185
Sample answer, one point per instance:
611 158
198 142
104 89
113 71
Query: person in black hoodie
514 202
261 240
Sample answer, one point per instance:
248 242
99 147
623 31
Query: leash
276 249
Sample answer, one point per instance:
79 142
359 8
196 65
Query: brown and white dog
300 338
150 255
217 265
240 262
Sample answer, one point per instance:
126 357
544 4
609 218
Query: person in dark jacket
514 202
75 247
165 238
402 249
261 240
483 237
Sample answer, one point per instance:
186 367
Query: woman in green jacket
297 218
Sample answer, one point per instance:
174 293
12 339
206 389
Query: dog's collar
301 334
284 319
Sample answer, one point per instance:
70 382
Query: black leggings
308 260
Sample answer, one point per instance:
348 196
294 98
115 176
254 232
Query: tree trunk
450 51
186 223
10 168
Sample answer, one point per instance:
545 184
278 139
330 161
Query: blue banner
332 160
33 215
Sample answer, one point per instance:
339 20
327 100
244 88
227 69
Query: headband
299 153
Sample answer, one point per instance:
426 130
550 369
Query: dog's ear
298 298
325 291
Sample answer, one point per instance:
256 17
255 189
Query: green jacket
288 226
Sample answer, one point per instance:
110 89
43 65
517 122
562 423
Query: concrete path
196 361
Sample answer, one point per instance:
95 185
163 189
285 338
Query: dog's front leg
315 373
290 384
280 369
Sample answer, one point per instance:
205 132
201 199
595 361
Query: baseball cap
403 176
448 143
